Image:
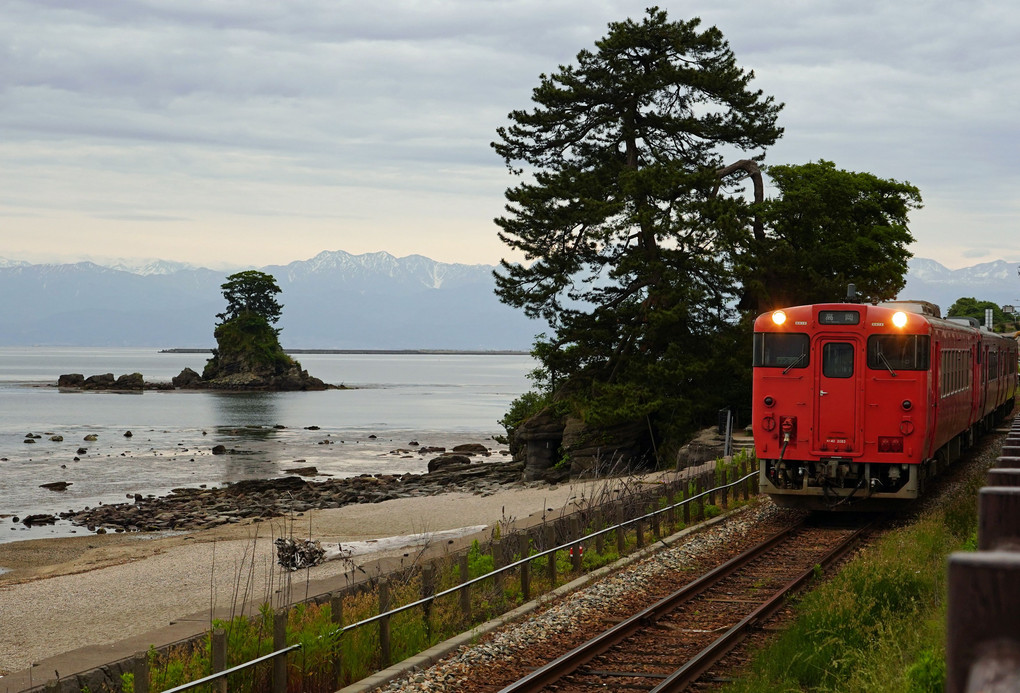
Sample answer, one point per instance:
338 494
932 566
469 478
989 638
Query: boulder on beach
445 461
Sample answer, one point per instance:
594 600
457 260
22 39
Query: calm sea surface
439 400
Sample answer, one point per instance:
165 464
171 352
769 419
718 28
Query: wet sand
63 593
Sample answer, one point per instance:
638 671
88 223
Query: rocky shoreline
189 509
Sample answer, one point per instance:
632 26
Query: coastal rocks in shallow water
40 519
303 471
130 381
57 439
91 437
71 380
99 382
56 485
186 379
187 509
219 450
444 461
471 449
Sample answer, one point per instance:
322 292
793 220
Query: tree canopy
251 292
621 219
828 228
970 307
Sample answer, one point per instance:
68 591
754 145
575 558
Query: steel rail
580 655
698 665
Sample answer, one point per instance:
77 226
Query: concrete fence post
336 618
465 592
384 623
599 525
575 548
621 534
140 667
687 506
999 518
280 642
219 658
725 500
982 638
499 578
997 476
550 541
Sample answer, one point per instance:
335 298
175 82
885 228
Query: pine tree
626 239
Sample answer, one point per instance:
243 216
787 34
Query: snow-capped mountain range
334 300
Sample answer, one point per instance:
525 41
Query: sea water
395 404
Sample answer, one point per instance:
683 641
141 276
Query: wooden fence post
219 658
140 666
499 578
621 534
982 644
465 592
670 502
687 506
745 488
526 581
999 518
384 623
428 588
280 642
599 525
725 501
699 508
336 617
575 549
550 541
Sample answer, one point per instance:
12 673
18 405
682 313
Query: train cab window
837 360
781 350
899 352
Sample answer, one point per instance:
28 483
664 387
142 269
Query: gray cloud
374 119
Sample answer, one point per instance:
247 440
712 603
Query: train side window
781 350
837 360
900 352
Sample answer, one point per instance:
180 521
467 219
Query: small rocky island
248 355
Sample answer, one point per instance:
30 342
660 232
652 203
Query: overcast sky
260 132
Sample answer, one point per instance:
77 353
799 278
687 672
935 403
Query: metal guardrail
283 651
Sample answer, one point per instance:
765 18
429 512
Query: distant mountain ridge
988 281
334 300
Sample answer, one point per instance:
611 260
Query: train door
836 431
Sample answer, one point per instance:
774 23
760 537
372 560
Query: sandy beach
63 593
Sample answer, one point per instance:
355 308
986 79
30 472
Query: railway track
670 644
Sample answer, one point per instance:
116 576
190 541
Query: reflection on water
246 409
432 400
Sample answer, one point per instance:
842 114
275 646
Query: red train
857 406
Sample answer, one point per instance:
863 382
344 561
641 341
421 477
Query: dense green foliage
641 254
251 292
970 307
828 228
619 215
246 343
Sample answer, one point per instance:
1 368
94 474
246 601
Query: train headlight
778 317
899 318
